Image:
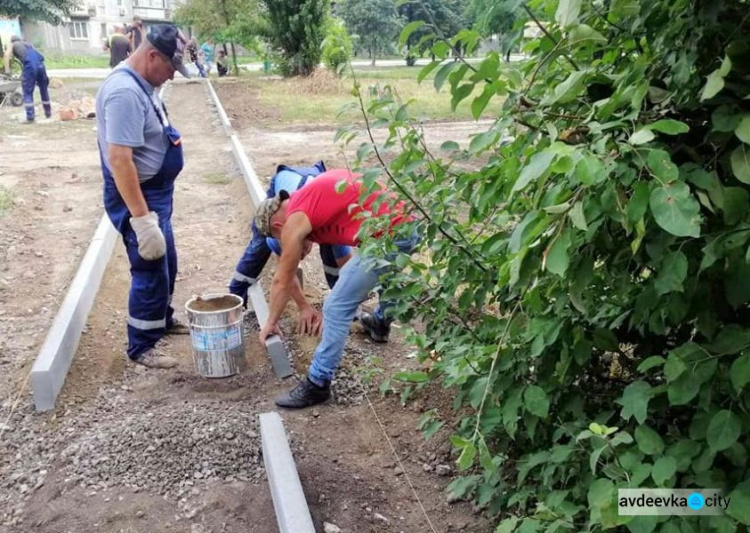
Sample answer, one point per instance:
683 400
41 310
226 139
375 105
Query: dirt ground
351 476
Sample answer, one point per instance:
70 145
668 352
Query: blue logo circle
696 501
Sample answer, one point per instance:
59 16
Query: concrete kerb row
53 361
274 346
292 512
290 505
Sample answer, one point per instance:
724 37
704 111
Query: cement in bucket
215 322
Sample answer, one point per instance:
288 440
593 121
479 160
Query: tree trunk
372 53
234 60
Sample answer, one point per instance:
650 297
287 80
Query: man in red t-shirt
324 213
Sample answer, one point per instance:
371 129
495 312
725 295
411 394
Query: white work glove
151 243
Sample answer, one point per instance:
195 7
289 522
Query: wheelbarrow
10 91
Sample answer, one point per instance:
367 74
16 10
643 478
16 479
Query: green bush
295 30
337 46
585 290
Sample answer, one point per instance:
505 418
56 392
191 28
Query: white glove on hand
151 243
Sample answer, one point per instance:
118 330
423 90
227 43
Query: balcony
152 9
83 10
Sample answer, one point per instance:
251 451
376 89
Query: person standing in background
118 46
135 33
192 51
34 73
208 54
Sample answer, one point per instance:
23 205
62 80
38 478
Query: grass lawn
55 59
321 97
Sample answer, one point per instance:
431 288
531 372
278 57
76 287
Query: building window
79 29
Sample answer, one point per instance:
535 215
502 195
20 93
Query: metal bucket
215 322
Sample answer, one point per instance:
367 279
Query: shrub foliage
337 47
295 30
585 283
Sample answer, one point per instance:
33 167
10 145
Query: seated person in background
222 66
259 250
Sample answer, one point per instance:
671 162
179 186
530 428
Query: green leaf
643 524
604 339
743 130
567 91
624 8
460 93
408 30
649 441
672 273
664 468
602 500
651 362
661 165
739 509
442 74
577 216
642 136
461 487
739 374
425 71
536 166
481 142
723 430
638 203
687 386
635 400
466 459
412 377
590 170
725 118
683 453
726 67
594 458
669 126
714 84
674 367
450 146
536 402
567 12
480 102
508 525
741 163
441 49
676 210
582 33
558 259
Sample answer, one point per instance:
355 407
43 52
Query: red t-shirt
329 212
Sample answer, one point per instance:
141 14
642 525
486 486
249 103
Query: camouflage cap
266 210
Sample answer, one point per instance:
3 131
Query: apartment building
85 30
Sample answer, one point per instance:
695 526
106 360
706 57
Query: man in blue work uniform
260 247
141 155
33 74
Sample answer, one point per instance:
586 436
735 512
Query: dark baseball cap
167 39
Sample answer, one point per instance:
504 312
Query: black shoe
305 394
377 329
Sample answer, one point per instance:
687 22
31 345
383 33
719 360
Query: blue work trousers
357 278
35 74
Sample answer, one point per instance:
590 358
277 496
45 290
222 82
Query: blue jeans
356 279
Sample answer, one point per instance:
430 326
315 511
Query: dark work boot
305 394
376 328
